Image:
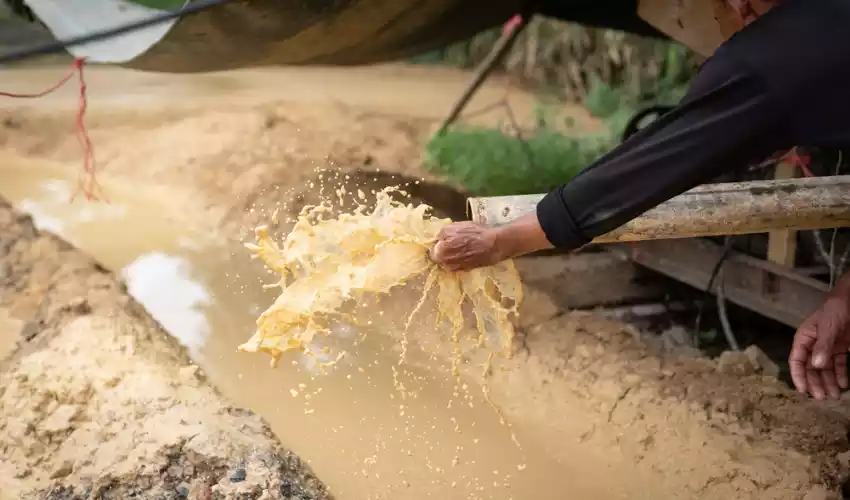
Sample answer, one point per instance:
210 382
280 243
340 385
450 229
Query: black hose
727 251
633 126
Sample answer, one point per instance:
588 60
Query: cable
716 274
633 125
721 310
60 45
727 251
793 156
829 256
89 183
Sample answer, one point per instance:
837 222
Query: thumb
436 252
822 350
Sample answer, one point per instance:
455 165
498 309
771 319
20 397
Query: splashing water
325 263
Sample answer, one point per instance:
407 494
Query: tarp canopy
266 32
72 18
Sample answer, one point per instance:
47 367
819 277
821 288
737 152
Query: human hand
462 246
818 357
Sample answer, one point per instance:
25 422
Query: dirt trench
641 424
98 401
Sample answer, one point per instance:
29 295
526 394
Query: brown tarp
348 32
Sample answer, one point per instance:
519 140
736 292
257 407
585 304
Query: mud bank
97 401
585 390
709 433
663 426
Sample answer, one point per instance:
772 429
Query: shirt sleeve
728 120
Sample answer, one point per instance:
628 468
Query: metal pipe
710 210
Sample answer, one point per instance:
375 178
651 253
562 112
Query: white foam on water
163 284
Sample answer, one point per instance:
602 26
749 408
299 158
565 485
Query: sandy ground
101 400
613 411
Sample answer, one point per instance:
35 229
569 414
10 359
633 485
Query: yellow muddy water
324 263
349 423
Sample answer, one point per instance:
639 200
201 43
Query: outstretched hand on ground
818 358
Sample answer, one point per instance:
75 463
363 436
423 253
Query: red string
512 24
88 183
800 161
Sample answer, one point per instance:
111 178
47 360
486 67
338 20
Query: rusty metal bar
711 210
497 53
764 287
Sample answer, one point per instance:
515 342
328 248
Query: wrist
841 290
522 236
504 242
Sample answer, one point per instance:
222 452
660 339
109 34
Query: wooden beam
766 288
782 244
711 210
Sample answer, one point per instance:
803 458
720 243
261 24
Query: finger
801 349
815 384
841 369
454 267
798 376
436 252
452 228
447 263
799 358
830 383
824 340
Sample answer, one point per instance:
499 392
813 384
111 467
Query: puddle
350 424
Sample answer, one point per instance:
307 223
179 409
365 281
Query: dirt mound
234 162
713 434
97 401
677 426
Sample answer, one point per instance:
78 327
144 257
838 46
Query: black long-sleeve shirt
783 81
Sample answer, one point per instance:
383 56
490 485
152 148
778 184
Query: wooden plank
771 290
711 210
782 244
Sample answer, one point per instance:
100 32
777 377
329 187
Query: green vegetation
488 162
569 60
617 75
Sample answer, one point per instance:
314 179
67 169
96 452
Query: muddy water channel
349 423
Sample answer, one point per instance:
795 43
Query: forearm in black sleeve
727 121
